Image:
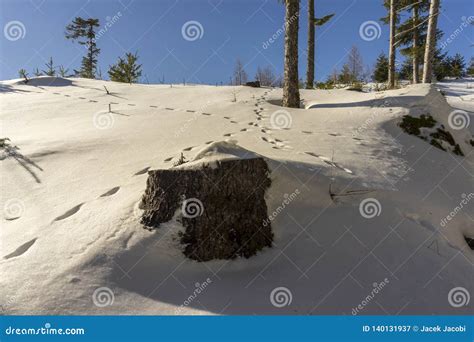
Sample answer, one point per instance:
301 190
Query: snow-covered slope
354 201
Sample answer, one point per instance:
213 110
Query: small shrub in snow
427 128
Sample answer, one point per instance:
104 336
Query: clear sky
231 29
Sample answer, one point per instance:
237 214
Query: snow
71 190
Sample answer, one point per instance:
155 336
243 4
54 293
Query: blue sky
231 29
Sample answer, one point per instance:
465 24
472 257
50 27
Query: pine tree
291 93
430 47
440 65
381 69
345 76
49 68
126 69
411 34
63 71
312 23
23 74
457 66
392 47
470 68
406 70
83 30
37 73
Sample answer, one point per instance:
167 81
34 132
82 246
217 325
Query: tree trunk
220 222
392 51
416 62
311 38
291 94
430 41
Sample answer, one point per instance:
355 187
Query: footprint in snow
141 172
188 148
69 213
167 108
244 129
131 104
111 192
228 134
168 159
209 142
206 114
21 250
153 106
234 122
307 132
190 111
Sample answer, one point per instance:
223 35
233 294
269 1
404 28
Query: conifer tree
83 30
381 69
126 70
49 68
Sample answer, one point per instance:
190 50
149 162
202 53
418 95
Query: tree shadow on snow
9 151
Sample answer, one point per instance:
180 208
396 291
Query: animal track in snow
69 213
21 250
141 172
111 192
329 162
